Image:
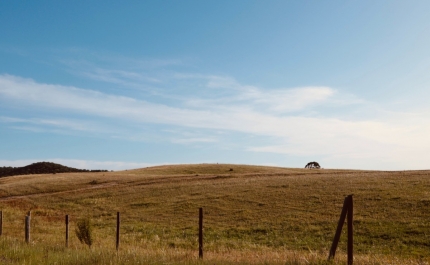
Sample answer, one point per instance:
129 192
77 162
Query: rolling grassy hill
253 215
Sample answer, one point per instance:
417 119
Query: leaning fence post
201 233
27 229
67 230
339 228
118 222
350 231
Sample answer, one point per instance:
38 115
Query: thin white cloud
30 129
193 140
37 124
227 92
114 69
292 99
127 78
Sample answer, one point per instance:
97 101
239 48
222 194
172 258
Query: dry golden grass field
252 215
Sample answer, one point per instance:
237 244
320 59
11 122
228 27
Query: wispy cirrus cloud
227 92
159 78
115 69
121 77
60 125
94 103
194 140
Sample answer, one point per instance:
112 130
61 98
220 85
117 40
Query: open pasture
252 215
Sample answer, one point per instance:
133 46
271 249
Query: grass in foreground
18 252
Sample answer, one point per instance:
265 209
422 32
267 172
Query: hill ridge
41 168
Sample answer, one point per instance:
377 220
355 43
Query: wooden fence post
339 228
1 223
27 229
67 230
118 222
350 231
201 233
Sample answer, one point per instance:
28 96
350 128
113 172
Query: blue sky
131 84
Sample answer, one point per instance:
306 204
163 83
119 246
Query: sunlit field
252 215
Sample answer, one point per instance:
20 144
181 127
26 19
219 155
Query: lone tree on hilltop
312 165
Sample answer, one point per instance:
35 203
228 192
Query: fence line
347 213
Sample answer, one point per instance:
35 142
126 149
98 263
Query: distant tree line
41 168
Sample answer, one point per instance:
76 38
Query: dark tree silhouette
41 168
313 165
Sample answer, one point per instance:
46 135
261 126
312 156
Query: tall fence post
27 228
339 228
347 212
67 230
350 231
118 222
1 223
201 233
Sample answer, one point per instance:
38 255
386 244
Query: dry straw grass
253 215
